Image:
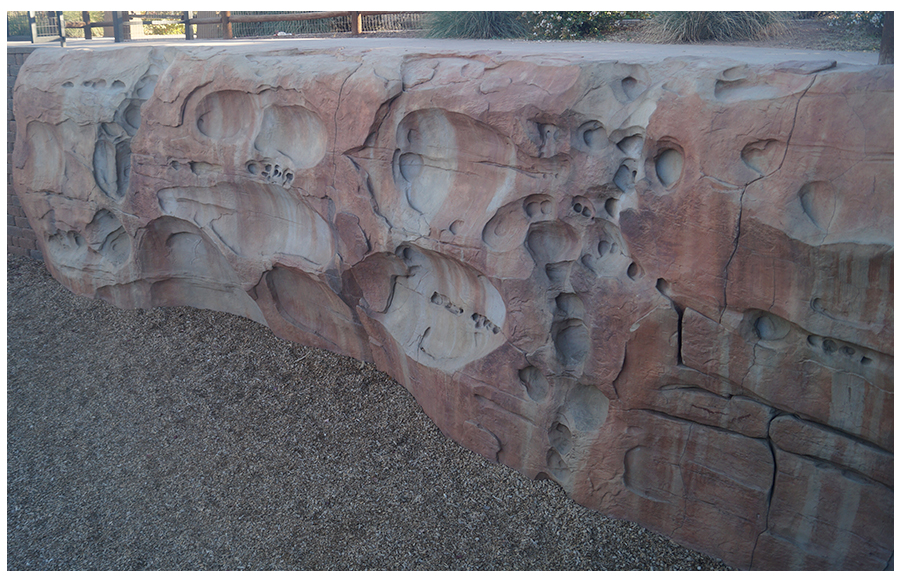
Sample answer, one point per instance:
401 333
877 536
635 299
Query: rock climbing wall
665 284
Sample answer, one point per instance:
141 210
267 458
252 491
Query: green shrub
477 25
163 29
687 27
17 24
871 21
576 25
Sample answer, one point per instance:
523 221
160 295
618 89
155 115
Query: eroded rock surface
665 284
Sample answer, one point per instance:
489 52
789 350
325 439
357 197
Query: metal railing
37 27
354 22
357 20
369 22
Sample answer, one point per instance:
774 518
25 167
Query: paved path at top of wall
592 50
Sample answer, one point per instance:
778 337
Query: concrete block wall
20 238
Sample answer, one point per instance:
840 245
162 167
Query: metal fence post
188 29
88 31
61 25
117 26
32 25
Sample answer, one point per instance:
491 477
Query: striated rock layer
665 284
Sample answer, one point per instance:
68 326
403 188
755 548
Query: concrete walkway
587 49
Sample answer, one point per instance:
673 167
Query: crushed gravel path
187 439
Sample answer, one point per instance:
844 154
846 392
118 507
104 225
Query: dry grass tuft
688 27
480 25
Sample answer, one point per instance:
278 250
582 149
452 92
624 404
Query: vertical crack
663 287
737 239
737 235
337 110
680 354
771 489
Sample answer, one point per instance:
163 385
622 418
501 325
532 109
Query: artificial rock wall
20 237
665 284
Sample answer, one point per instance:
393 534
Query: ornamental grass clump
688 27
484 25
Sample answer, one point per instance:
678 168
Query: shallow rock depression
665 284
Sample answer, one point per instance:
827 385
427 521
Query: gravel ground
187 439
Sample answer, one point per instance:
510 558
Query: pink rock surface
665 284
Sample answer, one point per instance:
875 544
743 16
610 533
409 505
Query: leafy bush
687 27
873 21
477 25
163 29
17 24
576 25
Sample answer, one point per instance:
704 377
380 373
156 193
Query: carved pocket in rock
442 313
112 160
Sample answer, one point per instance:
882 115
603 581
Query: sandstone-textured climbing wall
665 284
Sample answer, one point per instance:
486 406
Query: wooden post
886 55
226 24
88 31
188 27
61 25
356 23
